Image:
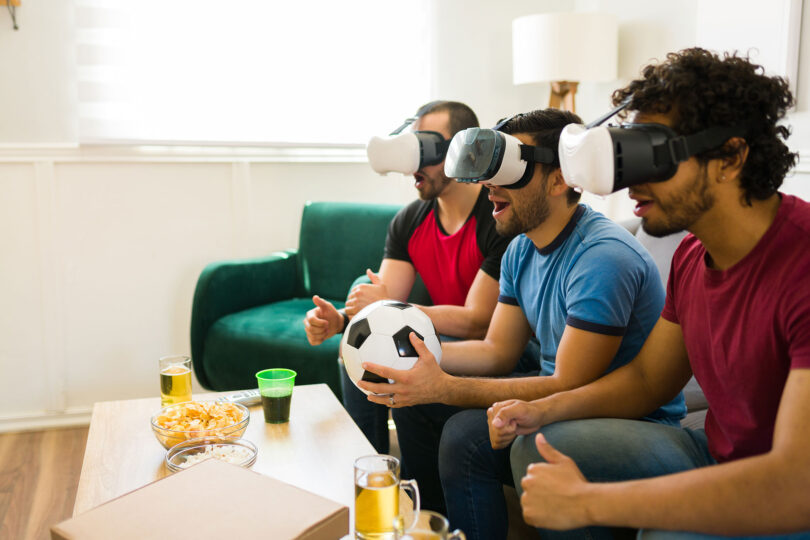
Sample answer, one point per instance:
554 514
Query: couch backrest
338 242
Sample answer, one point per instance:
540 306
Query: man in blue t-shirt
579 282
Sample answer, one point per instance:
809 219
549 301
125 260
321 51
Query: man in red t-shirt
737 316
448 238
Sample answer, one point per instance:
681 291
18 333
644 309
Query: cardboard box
212 499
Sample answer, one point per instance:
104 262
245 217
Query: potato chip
197 418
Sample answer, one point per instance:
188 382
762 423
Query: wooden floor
39 474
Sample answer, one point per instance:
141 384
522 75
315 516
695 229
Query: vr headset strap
536 154
441 147
682 148
408 122
607 116
531 155
419 114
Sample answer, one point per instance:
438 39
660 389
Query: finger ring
391 399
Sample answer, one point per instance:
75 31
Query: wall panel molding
79 416
241 206
52 279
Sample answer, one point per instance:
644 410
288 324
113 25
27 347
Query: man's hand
553 492
366 293
508 419
423 383
322 322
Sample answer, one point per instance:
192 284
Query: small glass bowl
169 438
178 454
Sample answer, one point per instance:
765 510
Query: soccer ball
379 334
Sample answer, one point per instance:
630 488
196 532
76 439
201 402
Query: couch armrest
230 286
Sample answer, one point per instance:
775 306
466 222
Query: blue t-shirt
594 276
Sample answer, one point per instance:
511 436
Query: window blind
249 71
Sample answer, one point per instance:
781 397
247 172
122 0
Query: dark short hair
544 127
461 116
702 90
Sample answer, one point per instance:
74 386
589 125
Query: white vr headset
491 156
406 152
604 159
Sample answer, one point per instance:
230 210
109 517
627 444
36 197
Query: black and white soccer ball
379 334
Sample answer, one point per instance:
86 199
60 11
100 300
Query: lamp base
562 95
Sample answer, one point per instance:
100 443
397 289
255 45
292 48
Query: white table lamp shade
564 47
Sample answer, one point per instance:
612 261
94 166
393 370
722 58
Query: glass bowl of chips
194 419
228 449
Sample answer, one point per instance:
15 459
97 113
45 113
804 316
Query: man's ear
731 166
556 183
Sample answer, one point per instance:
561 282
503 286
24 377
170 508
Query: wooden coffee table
314 451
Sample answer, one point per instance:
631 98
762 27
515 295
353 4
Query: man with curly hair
737 316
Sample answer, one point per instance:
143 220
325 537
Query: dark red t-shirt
745 328
447 263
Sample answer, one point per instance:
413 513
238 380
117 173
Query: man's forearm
477 358
457 321
620 394
481 393
761 495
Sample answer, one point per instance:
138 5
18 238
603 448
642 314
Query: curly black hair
544 127
702 90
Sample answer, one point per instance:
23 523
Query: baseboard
79 416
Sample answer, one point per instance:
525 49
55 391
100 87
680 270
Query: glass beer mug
428 525
376 496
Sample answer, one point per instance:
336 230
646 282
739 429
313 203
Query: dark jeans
372 419
473 475
419 429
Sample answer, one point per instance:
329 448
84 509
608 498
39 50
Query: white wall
101 258
101 247
38 94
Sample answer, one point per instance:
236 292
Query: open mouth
642 206
420 180
499 207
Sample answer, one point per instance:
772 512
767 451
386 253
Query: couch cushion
695 420
695 400
240 344
661 250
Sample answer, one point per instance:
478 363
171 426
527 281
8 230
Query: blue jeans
473 475
419 430
371 418
612 450
677 535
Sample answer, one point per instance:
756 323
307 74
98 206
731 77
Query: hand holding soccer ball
379 334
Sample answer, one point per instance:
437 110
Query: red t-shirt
447 263
745 328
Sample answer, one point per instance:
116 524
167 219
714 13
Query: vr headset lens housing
488 155
471 154
406 152
604 159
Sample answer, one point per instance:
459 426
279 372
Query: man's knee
612 449
458 440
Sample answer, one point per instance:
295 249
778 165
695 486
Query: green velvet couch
248 315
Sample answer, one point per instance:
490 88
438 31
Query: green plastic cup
275 387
